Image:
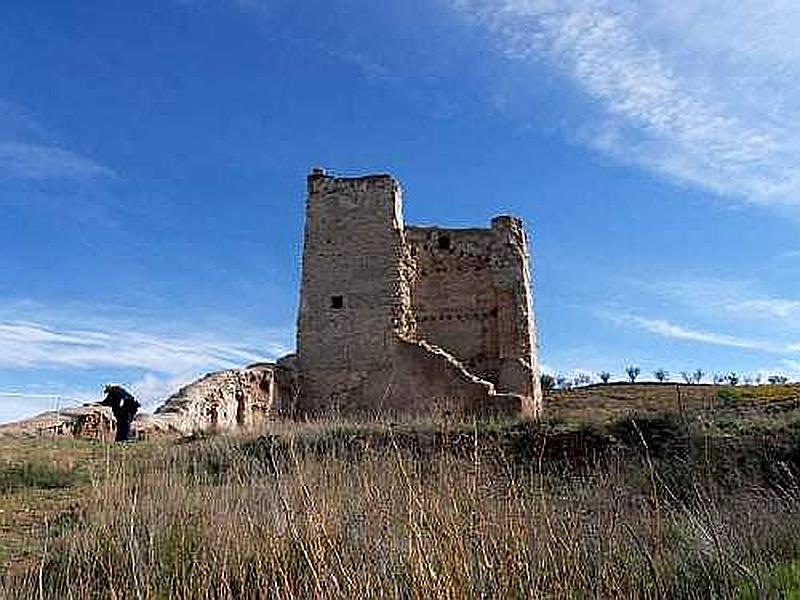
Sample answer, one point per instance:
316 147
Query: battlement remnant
410 320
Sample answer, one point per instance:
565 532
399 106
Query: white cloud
31 344
789 367
668 329
25 155
546 368
35 162
737 299
154 358
16 404
775 307
701 91
151 390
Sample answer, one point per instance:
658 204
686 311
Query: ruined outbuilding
224 401
91 421
411 320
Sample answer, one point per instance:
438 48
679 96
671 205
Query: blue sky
153 159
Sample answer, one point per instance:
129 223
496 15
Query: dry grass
608 402
653 508
43 481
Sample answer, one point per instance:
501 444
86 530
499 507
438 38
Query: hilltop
602 402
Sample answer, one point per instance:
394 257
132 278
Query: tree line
632 372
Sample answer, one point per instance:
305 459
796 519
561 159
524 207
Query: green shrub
727 396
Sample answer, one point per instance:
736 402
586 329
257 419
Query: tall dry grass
355 512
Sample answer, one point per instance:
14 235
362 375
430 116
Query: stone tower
415 320
355 299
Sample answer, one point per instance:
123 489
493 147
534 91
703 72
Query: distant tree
604 376
661 375
718 379
698 375
582 379
561 382
732 378
757 379
777 379
747 379
548 382
633 372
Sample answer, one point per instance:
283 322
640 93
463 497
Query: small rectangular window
444 242
337 302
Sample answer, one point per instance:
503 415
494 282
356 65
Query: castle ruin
410 320
394 320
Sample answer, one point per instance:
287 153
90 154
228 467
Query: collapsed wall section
434 382
454 299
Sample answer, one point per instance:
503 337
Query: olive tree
633 372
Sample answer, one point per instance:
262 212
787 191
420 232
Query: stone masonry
411 320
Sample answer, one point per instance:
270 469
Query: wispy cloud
25 155
31 344
735 299
154 359
35 162
789 255
789 367
667 329
677 91
152 389
738 298
15 405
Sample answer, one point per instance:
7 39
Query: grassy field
621 491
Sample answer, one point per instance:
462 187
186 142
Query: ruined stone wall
392 320
434 382
472 297
454 298
91 421
396 320
229 400
223 401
